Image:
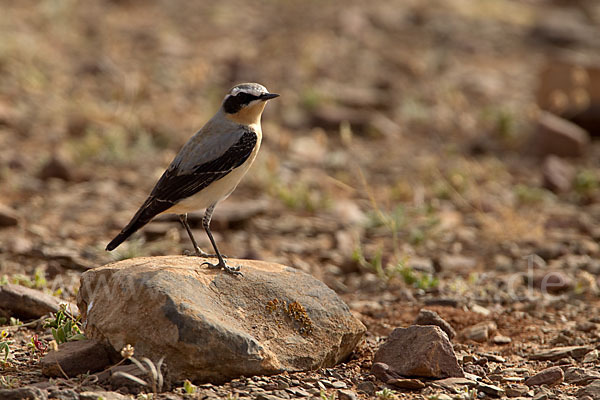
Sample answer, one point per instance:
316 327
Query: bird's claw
230 270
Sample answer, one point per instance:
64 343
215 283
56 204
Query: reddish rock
27 303
558 175
383 372
552 282
548 376
428 317
560 137
76 358
419 351
8 216
411 384
56 167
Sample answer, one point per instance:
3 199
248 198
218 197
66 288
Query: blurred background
433 149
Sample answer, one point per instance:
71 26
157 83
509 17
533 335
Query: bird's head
245 103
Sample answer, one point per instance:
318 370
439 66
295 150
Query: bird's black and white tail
147 211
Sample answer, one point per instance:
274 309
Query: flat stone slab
213 326
28 303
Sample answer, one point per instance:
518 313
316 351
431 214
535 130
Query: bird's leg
197 249
221 263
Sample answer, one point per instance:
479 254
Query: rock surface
419 351
8 216
548 376
212 326
558 353
27 303
592 390
428 317
560 137
558 174
24 393
75 358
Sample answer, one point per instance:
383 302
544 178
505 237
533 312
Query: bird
208 168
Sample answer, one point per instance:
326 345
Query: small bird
208 167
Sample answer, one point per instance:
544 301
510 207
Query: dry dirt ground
396 165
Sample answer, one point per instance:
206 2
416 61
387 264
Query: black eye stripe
235 103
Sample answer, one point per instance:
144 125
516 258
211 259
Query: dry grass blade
131 377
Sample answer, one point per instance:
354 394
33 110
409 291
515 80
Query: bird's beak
268 96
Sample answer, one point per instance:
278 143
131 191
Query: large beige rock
213 326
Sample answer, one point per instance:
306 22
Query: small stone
419 351
476 308
500 339
516 390
591 356
503 263
27 303
586 326
346 395
75 358
444 302
64 394
411 384
456 384
592 390
492 390
558 174
383 372
580 376
298 392
24 393
457 263
428 317
102 394
339 385
56 167
560 137
8 217
549 376
552 282
559 353
367 387
479 332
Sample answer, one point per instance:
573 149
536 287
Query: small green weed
64 326
528 195
5 346
385 394
8 382
189 387
586 183
324 395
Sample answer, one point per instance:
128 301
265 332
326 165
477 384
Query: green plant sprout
64 326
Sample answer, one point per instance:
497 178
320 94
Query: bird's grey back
208 144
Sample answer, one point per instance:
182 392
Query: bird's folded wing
174 185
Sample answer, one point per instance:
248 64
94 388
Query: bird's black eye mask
233 104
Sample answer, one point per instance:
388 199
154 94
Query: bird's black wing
173 187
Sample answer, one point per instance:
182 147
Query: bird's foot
222 264
199 253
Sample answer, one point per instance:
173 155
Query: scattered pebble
500 339
548 376
8 216
428 317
